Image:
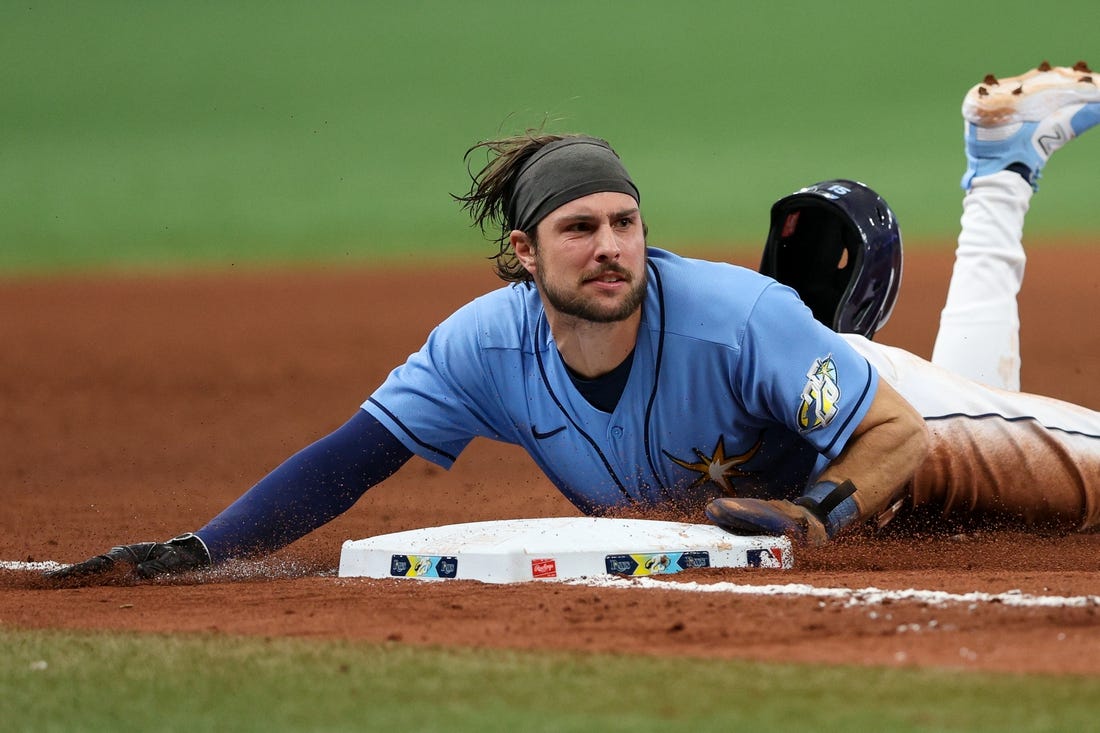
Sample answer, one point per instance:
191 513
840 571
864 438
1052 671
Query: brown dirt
138 407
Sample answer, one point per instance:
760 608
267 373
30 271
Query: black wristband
831 504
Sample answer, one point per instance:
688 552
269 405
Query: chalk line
38 566
850 596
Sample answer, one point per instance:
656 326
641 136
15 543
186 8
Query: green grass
68 681
165 134
161 135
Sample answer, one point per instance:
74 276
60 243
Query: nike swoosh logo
543 436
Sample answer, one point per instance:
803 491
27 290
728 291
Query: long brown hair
491 190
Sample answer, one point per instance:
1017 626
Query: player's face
589 261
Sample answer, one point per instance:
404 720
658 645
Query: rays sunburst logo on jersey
717 467
820 396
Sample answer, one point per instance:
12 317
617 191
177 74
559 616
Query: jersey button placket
617 432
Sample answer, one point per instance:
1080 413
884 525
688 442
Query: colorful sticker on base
771 557
423 566
656 563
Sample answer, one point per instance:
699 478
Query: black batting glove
141 561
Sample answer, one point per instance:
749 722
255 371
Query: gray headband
562 171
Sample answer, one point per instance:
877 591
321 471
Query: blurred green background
138 135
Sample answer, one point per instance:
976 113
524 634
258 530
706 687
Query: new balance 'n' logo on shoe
1021 120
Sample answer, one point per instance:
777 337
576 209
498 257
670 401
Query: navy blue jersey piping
1018 418
410 433
844 426
586 436
656 374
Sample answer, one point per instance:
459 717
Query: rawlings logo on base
544 568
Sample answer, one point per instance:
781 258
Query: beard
592 309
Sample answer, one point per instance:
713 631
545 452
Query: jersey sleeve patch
820 399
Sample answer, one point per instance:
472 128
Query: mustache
612 267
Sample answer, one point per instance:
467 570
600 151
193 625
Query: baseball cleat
1019 121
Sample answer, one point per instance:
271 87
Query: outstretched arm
307 490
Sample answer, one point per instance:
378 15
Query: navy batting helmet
837 243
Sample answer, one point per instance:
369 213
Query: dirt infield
137 408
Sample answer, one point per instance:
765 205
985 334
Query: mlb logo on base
771 557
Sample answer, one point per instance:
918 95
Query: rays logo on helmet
820 396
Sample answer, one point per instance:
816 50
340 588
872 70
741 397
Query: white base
519 550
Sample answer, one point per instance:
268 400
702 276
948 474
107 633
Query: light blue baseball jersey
734 389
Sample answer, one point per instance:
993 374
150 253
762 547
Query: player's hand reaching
140 561
767 517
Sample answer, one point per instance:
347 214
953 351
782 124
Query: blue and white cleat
1019 121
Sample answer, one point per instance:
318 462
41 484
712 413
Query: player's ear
524 247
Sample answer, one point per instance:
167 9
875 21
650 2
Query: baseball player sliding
637 378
